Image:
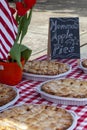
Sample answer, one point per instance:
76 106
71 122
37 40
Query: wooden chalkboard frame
49 52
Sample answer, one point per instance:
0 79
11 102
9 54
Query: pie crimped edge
37 117
13 100
60 99
83 67
84 63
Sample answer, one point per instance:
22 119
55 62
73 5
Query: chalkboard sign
64 38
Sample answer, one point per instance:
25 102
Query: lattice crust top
66 88
35 117
45 67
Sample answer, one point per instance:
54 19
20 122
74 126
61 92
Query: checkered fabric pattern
29 95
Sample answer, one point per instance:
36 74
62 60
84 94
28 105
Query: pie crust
68 87
45 67
7 94
84 63
35 117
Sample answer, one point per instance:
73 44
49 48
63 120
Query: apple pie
35 117
68 87
45 67
84 63
7 94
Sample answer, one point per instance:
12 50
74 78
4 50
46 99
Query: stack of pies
68 87
35 117
7 94
45 67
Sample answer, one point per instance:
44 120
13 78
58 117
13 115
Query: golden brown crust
66 88
45 67
84 63
35 117
7 94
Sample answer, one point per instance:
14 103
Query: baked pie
7 94
68 87
84 63
35 117
45 67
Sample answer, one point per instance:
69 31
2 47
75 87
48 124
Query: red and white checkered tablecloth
29 95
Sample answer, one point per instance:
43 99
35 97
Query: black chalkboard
64 38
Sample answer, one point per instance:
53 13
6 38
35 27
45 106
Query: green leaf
15 54
19 21
25 23
18 51
25 52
